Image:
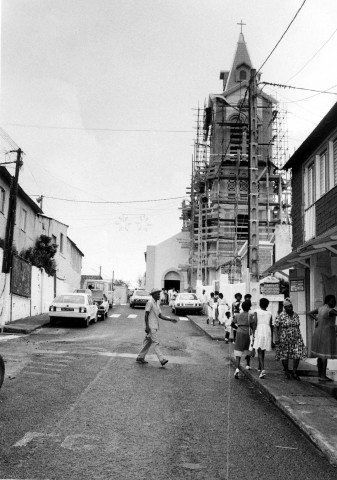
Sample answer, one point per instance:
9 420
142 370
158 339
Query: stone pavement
311 406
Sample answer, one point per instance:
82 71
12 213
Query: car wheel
86 322
2 370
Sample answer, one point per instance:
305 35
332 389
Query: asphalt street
76 405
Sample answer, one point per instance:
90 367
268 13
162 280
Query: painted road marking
132 316
75 442
184 319
115 315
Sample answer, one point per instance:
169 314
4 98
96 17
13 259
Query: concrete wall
168 256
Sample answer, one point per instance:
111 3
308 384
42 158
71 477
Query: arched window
243 75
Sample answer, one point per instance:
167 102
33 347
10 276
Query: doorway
172 280
168 284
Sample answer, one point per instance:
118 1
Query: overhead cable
312 57
149 130
297 88
111 202
298 11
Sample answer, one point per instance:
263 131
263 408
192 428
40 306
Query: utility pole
253 197
7 257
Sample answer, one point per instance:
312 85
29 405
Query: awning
300 256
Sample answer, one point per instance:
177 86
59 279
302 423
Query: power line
297 88
146 130
298 11
110 202
312 57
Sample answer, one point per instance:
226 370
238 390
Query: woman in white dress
262 337
223 307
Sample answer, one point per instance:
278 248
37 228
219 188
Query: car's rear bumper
74 315
188 308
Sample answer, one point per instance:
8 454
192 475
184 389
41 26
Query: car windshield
97 294
69 299
188 296
142 293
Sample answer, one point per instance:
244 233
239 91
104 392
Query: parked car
186 302
101 300
77 306
139 298
83 290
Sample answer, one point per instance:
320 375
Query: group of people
167 297
255 331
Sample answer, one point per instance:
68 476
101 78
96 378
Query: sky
102 98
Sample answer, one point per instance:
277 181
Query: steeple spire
241 64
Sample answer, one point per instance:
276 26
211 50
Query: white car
102 302
77 306
186 302
139 298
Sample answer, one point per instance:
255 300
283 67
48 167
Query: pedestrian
169 293
210 310
152 316
236 306
228 323
173 297
263 333
166 297
204 301
222 309
236 309
162 296
216 306
244 322
288 339
324 343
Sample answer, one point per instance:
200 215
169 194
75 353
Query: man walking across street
152 316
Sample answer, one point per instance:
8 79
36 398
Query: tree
42 255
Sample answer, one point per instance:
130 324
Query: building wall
170 255
68 258
25 232
326 211
297 207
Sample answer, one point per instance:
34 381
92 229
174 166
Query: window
243 75
334 149
323 173
2 200
61 242
23 221
311 185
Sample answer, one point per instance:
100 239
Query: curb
327 449
315 433
24 328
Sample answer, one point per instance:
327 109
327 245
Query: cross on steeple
240 23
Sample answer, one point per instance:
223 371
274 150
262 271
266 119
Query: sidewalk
26 325
311 406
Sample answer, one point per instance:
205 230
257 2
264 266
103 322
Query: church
214 242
